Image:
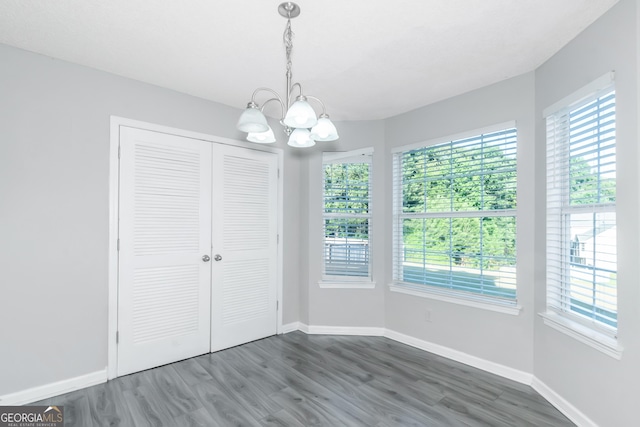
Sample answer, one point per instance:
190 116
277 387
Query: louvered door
165 230
245 237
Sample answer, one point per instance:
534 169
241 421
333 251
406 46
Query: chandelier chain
287 38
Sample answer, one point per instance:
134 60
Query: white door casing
164 230
245 236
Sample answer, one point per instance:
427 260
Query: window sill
346 284
506 308
594 339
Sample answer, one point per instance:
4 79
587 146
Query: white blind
581 211
347 215
455 218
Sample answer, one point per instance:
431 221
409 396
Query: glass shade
300 115
252 120
262 137
301 138
324 130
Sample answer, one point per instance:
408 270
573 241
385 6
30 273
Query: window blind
455 218
347 215
581 211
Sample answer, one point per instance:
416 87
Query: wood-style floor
300 380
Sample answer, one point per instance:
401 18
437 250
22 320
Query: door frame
114 207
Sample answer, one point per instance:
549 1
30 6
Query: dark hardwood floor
308 380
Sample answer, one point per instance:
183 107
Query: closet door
165 245
245 194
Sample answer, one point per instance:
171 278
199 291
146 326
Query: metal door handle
206 258
217 257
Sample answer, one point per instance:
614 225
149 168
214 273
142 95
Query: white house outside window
455 217
347 217
581 208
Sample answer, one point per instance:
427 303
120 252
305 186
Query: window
347 216
455 217
581 209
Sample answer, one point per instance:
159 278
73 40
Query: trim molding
513 310
290 327
585 335
598 84
53 389
303 327
365 331
462 357
114 207
561 404
461 135
346 284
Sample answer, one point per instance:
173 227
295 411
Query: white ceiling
366 59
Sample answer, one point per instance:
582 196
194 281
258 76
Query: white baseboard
53 389
290 327
562 405
344 330
462 357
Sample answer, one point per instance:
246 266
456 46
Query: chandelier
299 119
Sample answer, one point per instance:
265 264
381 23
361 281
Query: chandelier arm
290 92
283 107
266 89
282 110
324 110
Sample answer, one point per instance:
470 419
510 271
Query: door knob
206 258
217 257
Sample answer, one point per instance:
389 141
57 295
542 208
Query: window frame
558 313
359 156
460 297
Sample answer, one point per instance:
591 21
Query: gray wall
346 307
605 389
501 338
54 195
